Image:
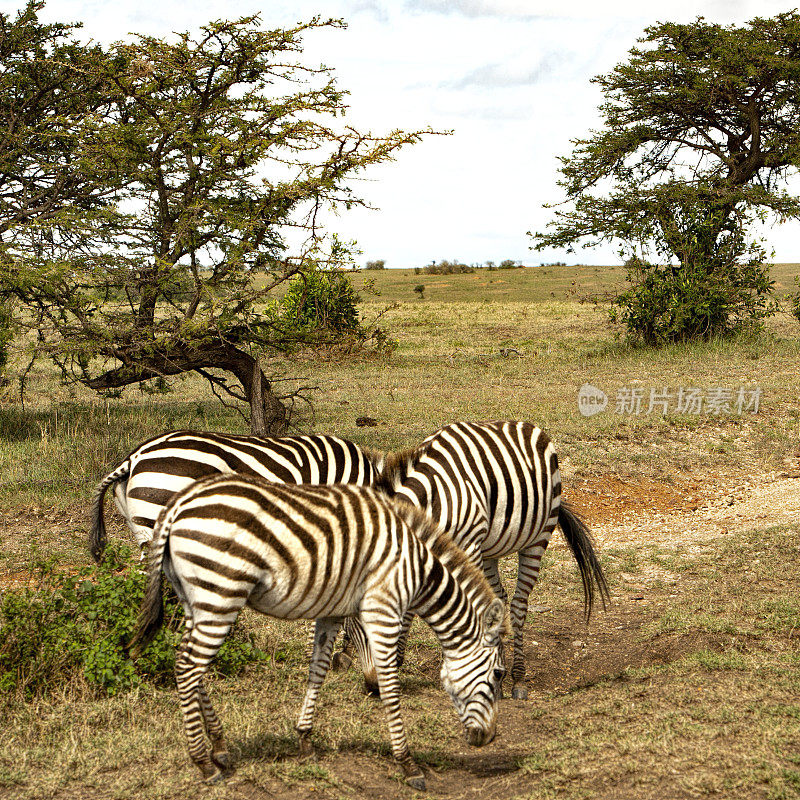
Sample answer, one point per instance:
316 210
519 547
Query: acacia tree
701 131
46 80
202 156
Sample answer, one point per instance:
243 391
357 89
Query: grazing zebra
328 553
152 473
496 488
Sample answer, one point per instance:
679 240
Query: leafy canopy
701 129
180 181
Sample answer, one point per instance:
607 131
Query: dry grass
686 687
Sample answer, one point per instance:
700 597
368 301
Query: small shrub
447 268
795 300
378 264
420 290
321 300
509 264
73 629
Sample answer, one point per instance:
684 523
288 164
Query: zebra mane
441 544
392 467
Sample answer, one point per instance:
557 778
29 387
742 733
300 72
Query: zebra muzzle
478 737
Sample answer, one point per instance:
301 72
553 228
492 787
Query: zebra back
493 485
166 464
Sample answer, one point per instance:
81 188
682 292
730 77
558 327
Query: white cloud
475 8
502 75
511 77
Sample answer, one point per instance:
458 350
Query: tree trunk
268 416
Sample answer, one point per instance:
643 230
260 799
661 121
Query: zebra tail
97 531
151 613
579 540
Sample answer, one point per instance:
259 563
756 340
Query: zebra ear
493 621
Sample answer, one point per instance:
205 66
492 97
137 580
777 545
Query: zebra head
473 677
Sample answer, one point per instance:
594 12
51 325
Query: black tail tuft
576 532
151 615
97 529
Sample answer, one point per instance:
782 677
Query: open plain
687 685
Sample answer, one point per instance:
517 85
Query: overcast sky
511 78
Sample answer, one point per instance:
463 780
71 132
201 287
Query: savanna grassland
686 686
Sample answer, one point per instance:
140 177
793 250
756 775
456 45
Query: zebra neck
444 604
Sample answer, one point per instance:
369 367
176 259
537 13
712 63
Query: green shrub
320 299
795 300
669 303
72 630
446 268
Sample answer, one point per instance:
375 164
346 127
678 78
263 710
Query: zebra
153 472
496 488
329 553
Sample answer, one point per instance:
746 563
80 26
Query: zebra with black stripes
151 474
496 488
329 553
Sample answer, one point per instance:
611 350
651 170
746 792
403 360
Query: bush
321 300
379 264
445 268
73 628
509 264
795 300
669 303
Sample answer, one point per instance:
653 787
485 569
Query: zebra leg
490 569
356 640
402 641
219 750
492 573
198 647
382 638
325 632
527 574
310 641
344 658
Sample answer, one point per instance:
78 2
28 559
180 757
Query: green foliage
446 268
699 135
6 335
321 300
378 264
675 303
72 628
795 300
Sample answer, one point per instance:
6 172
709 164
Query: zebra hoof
222 759
341 661
519 692
307 751
211 773
416 782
